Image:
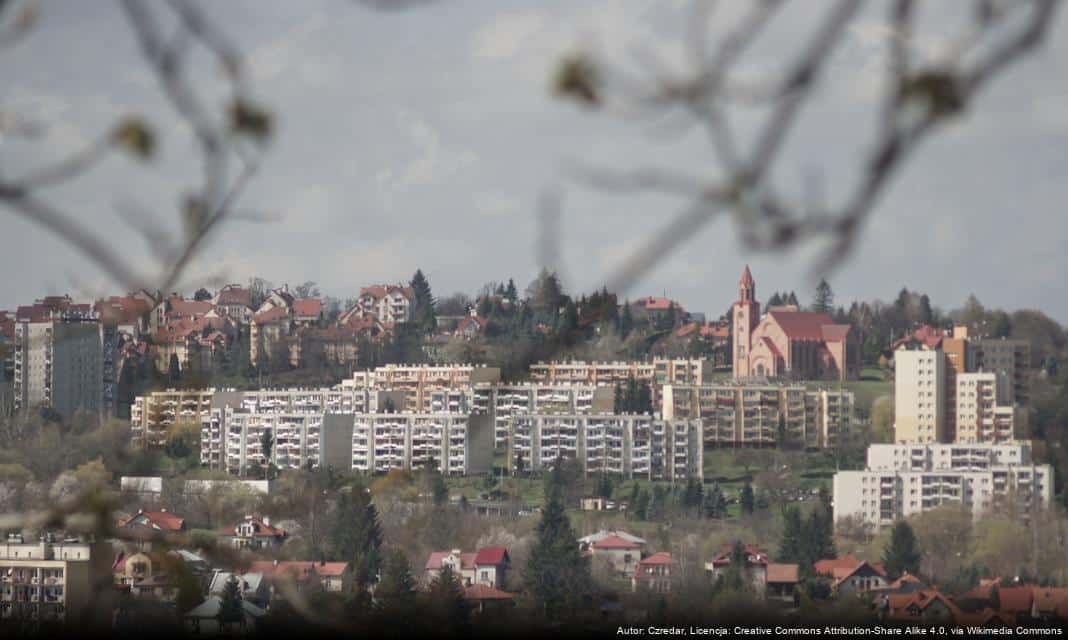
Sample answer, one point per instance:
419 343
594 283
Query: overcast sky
424 138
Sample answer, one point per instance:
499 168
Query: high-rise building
919 396
58 359
54 580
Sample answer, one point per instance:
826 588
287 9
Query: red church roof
808 325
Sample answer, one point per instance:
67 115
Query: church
789 343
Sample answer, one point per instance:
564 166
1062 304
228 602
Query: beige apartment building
660 371
735 414
53 581
919 396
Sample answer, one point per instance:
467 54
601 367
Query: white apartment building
504 401
628 445
232 439
457 444
735 414
919 396
50 581
903 480
59 362
419 382
390 303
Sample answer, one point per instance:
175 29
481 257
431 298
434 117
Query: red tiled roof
121 308
927 335
657 559
299 570
782 572
615 542
483 592
726 549
835 332
828 565
984 617
467 560
653 303
308 307
161 520
899 603
234 294
260 529
467 321
274 314
1050 599
188 308
802 325
491 555
1016 599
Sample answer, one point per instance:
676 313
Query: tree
356 534
174 370
823 302
423 312
626 321
266 447
231 609
748 500
545 293
446 596
510 292
790 546
715 504
902 552
774 301
556 575
202 294
307 290
258 290
396 591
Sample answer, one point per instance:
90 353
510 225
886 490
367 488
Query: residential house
252 533
852 576
654 573
305 575
767 578
234 301
387 302
620 554
926 606
470 326
488 566
254 586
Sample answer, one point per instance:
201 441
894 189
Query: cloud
284 52
433 163
492 203
506 34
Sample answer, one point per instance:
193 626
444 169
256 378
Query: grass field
870 386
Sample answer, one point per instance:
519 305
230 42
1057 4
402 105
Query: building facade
59 360
52 581
739 415
907 479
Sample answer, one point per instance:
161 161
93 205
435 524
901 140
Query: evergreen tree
626 321
174 368
818 538
693 495
792 300
790 547
357 535
748 500
774 301
824 299
557 574
902 552
423 314
619 403
266 447
396 591
643 402
715 504
510 292
446 596
202 294
231 610
604 487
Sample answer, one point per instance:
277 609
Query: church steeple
746 286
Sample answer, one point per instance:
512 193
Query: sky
425 138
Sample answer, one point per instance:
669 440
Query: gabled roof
900 603
299 570
841 574
754 555
157 520
782 573
828 565
604 533
210 608
659 558
274 314
804 325
233 294
308 307
615 542
433 562
187 308
483 592
259 529
491 555
1016 599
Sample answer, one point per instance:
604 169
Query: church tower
745 318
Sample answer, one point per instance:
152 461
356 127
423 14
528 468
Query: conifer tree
902 552
748 500
396 591
446 596
824 299
231 610
423 314
791 543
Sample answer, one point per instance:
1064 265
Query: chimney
456 552
267 520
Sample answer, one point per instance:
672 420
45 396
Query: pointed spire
747 278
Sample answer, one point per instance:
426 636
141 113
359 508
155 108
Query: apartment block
660 371
904 480
760 415
52 581
153 415
232 439
457 444
919 396
58 360
1012 358
419 382
984 411
504 401
627 445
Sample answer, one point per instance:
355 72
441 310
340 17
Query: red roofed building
252 533
620 554
789 343
163 521
390 303
925 606
488 566
654 573
307 311
234 301
488 600
335 577
470 326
